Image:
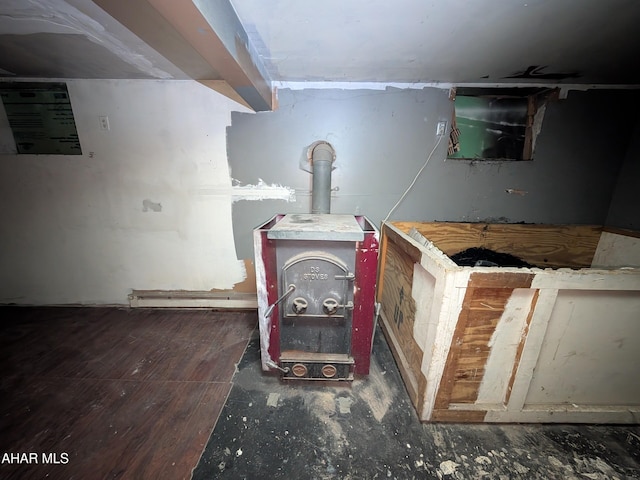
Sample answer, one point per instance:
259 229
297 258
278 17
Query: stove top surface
309 226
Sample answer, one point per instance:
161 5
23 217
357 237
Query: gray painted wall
382 139
625 211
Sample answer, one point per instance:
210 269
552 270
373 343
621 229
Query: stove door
315 320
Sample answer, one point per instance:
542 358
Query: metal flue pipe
322 157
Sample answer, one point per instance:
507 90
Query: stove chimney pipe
322 157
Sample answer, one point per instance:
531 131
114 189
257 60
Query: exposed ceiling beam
204 39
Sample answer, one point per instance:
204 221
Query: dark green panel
491 128
41 118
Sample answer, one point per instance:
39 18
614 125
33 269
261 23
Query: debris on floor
368 429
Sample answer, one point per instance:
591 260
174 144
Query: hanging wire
414 179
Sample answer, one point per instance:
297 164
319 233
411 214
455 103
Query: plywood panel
551 246
617 250
487 333
398 308
483 307
590 353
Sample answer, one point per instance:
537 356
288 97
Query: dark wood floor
111 392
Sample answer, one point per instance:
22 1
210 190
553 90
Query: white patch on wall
259 191
263 191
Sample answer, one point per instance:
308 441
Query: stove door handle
289 291
349 276
274 365
331 306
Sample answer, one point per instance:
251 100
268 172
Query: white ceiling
400 41
73 39
577 41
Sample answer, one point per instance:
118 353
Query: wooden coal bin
558 342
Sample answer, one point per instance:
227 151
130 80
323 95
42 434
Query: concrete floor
368 429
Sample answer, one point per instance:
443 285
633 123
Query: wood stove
316 278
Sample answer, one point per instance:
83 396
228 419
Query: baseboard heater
192 299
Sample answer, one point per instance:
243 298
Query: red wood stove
316 279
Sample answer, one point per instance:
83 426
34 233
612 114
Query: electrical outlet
104 122
441 128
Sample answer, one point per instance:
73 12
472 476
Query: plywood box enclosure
559 342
